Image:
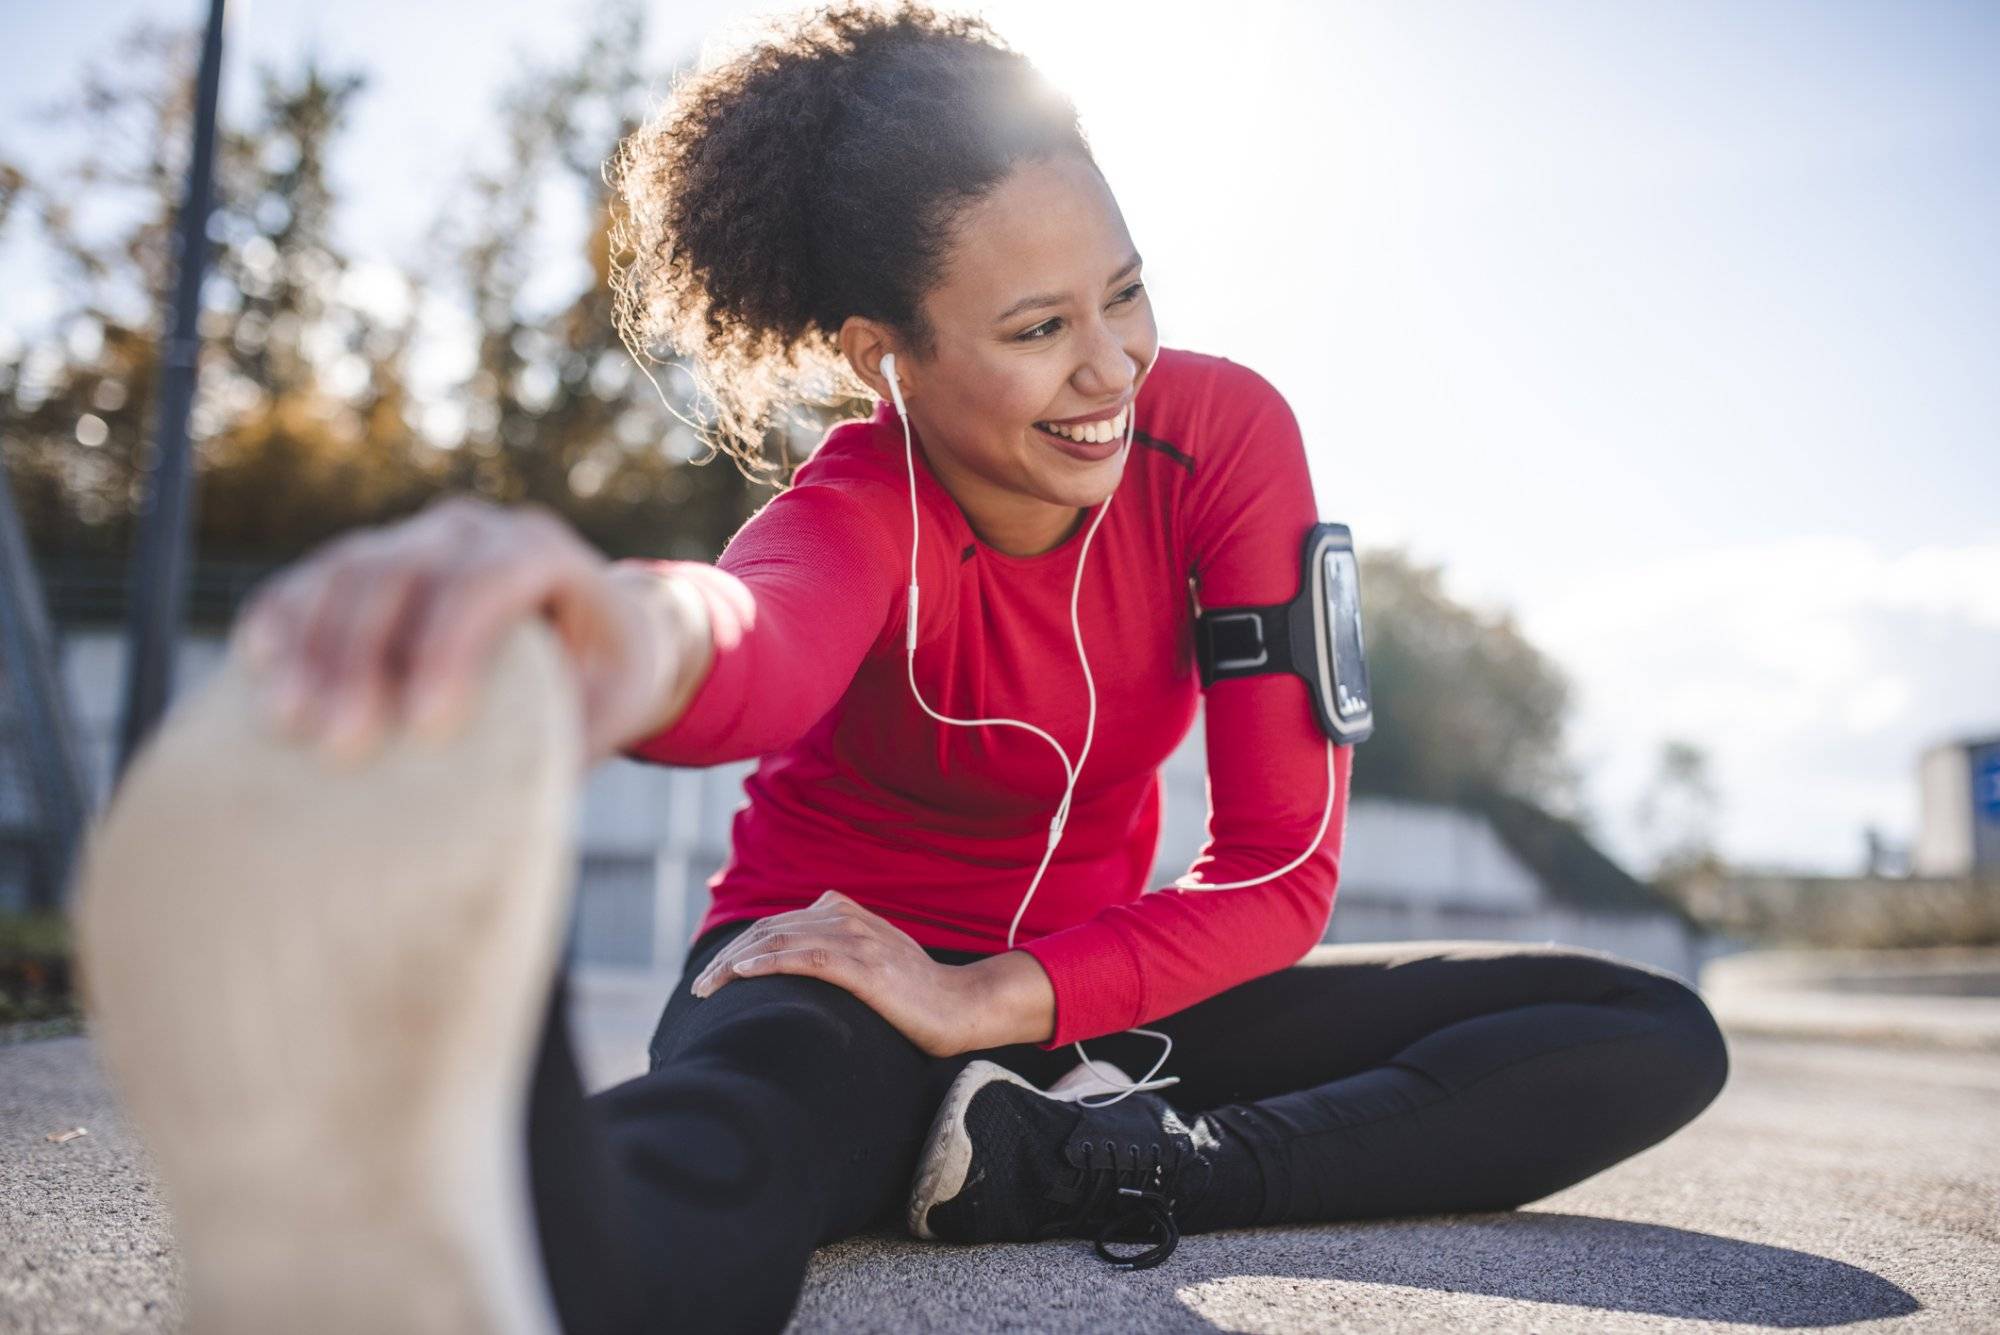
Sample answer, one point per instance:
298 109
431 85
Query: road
1832 1183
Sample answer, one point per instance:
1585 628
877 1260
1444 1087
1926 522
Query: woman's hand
931 1004
392 626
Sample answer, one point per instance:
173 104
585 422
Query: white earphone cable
1070 772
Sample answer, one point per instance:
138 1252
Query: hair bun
807 178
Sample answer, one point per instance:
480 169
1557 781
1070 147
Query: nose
1107 369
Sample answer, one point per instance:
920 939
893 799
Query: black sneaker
1006 1162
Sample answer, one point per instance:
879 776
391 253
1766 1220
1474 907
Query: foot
318 989
1008 1162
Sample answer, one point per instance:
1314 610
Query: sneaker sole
948 1149
318 989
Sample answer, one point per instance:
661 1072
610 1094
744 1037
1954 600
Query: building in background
1946 893
1958 810
1503 870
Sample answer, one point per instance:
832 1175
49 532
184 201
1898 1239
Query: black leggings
781 1112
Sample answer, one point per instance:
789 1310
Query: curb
1904 997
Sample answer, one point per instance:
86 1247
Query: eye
1048 327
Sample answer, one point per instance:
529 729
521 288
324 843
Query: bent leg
1428 1077
781 1113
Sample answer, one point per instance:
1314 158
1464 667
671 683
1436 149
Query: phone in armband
1315 636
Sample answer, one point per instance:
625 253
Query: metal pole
160 556
55 761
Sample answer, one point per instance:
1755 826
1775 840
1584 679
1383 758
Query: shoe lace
1117 1193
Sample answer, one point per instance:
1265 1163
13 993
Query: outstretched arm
791 608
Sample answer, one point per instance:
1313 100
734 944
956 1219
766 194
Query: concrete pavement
1833 1182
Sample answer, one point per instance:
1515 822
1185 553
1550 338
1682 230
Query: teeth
1091 433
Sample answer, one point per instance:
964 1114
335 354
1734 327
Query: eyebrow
1056 298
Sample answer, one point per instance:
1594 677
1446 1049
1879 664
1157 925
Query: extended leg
1432 1077
781 1113
1365 1081
318 988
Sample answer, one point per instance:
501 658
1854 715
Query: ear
864 342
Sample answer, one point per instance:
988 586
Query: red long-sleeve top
939 828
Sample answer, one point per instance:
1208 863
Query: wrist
1008 999
676 648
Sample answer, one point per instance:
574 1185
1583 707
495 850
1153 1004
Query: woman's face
1039 318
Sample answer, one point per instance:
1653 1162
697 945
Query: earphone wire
1070 772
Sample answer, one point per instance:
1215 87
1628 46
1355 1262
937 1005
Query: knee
1698 1055
818 1055
791 1020
1690 1056
786 1019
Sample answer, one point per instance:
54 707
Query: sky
1668 328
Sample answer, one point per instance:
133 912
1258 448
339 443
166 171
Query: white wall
1944 812
1418 855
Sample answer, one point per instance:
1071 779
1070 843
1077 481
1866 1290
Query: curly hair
814 176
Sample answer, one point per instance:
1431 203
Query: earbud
889 373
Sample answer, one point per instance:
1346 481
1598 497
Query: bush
35 973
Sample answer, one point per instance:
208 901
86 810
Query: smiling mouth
1089 433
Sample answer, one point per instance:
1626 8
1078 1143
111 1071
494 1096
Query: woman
925 908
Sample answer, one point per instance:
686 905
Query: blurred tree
1676 814
555 409
309 419
1464 704
11 183
304 417
75 398
297 424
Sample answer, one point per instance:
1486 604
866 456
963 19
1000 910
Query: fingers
813 961
369 656
459 627
394 625
832 919
771 936
347 611
273 630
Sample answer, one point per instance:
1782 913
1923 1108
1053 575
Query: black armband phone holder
1315 636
